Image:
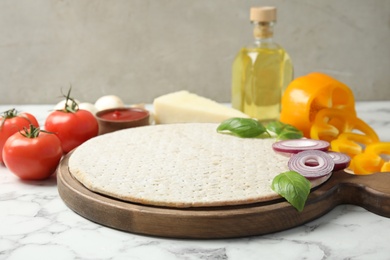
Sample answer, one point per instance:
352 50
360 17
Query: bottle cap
263 14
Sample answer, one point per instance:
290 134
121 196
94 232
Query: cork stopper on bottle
263 14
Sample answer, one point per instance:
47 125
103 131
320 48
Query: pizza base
178 165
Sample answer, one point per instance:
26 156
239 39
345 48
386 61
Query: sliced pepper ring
330 123
366 163
351 143
372 159
385 167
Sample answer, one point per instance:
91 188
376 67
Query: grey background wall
140 49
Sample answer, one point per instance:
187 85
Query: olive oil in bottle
261 71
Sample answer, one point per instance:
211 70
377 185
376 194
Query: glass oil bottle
261 71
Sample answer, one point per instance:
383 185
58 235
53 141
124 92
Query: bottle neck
263 32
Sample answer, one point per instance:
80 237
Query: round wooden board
371 192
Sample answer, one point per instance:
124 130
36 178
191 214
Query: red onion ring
341 160
324 165
294 146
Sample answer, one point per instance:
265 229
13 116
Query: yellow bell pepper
385 167
330 123
324 108
373 159
363 164
307 95
351 143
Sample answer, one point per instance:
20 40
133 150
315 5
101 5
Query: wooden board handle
371 192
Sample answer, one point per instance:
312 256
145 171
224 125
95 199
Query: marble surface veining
36 224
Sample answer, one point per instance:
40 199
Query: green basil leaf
293 187
284 131
242 127
275 126
284 135
288 127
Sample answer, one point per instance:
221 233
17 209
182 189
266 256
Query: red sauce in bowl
114 119
123 115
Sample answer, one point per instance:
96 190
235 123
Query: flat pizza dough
178 165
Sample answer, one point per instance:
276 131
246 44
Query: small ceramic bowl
114 119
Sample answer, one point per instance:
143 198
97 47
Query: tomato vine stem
73 107
33 131
11 113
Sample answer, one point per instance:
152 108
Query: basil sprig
242 127
251 128
284 131
292 186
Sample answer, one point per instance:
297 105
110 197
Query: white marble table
36 224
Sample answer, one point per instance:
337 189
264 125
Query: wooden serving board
371 192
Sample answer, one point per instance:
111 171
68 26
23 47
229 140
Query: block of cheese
186 107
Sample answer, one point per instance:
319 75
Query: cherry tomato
32 155
72 128
11 122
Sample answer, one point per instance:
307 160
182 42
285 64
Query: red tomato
32 158
72 128
12 122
